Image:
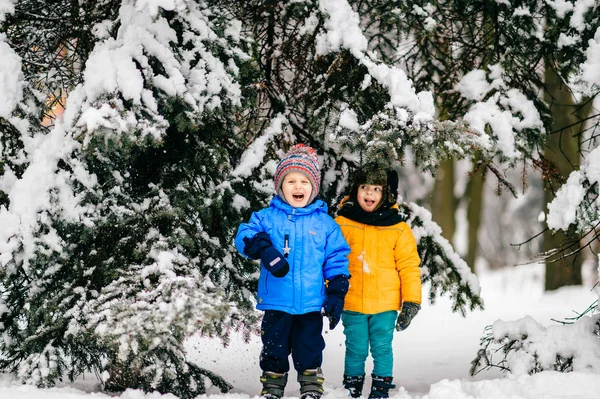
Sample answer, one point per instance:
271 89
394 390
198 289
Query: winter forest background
137 134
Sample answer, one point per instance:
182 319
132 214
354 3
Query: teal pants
364 331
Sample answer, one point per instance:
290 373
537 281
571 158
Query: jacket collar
317 205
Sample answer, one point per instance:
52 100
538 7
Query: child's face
296 189
369 197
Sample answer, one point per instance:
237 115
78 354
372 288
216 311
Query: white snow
253 156
6 7
11 77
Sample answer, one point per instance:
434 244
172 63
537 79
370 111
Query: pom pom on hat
300 158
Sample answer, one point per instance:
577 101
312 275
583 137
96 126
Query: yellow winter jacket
384 266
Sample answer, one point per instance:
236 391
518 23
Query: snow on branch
255 154
6 7
577 202
40 192
342 31
391 132
506 112
442 267
11 79
526 347
587 81
128 77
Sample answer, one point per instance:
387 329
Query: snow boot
311 383
381 387
273 384
354 385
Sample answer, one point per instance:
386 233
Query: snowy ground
432 357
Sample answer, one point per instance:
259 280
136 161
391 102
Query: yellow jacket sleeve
407 263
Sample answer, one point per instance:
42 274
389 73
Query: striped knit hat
300 158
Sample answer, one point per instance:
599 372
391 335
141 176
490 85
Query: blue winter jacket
317 252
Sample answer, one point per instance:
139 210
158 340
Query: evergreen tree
131 251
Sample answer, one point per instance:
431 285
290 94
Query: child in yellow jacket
385 278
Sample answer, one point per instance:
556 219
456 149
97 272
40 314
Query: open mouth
298 197
369 202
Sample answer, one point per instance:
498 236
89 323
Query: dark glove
260 247
334 303
409 311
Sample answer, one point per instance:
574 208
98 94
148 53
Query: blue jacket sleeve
248 230
336 253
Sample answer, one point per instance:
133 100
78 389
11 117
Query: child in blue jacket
300 248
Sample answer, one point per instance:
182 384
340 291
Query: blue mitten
274 261
260 247
409 311
334 303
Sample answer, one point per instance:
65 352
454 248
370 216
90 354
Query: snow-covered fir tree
123 246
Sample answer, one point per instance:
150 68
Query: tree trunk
442 207
562 149
475 194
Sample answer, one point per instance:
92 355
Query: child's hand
409 311
274 262
332 309
334 303
260 247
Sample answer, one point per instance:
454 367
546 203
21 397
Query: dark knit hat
369 174
300 158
